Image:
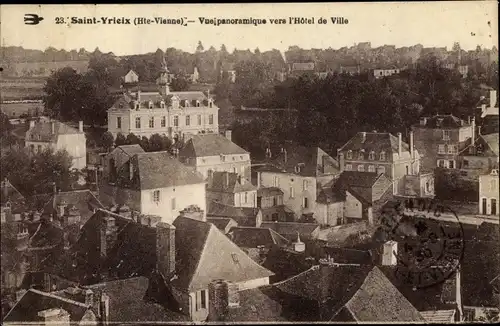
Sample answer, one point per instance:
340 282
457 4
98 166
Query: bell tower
163 80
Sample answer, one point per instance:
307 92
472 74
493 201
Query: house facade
215 153
381 153
298 171
480 157
131 77
58 136
488 193
230 189
270 201
174 114
156 184
441 138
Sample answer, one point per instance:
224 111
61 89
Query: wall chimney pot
390 250
165 249
363 137
473 126
228 134
80 126
32 123
53 127
400 144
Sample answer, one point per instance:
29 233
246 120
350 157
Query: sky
439 24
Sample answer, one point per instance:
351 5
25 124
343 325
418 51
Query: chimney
108 234
218 300
193 212
54 188
390 250
227 134
423 121
165 249
139 95
89 297
233 295
61 208
341 161
473 126
363 137
226 179
80 126
412 148
32 123
400 144
104 308
325 266
54 316
268 152
258 179
479 130
298 245
493 98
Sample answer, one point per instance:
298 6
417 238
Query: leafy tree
5 125
490 316
132 139
159 143
107 141
120 139
179 83
200 47
144 142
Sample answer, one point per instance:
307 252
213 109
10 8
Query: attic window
137 106
120 105
197 103
162 104
349 154
235 258
361 155
297 169
371 156
39 137
382 156
222 158
150 104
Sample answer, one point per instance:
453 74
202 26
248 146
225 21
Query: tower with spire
163 80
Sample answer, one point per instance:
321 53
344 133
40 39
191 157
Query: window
39 137
222 158
304 184
162 104
275 201
150 104
246 197
361 168
361 155
348 167
292 192
119 122
381 169
440 163
465 164
138 122
349 154
188 120
441 149
275 181
156 196
451 164
176 121
450 149
151 122
163 122
371 168
39 148
493 185
234 169
173 203
382 156
199 119
32 148
446 135
306 202
371 156
203 299
211 119
210 173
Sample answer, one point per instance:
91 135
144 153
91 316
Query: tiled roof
10 194
374 141
34 301
201 247
210 145
492 141
269 191
348 255
244 216
129 305
302 160
44 130
360 185
443 121
228 182
221 222
158 170
339 234
131 150
257 305
252 237
288 229
83 200
439 316
48 234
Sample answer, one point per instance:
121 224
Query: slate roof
221 222
488 143
48 234
33 301
200 248
289 229
232 184
244 216
83 200
375 141
448 121
269 191
210 145
257 305
9 193
158 170
309 159
252 237
360 185
492 141
128 302
44 130
131 150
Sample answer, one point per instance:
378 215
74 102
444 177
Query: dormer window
349 154
297 169
210 104
137 106
150 104
361 155
32 136
162 104
382 156
371 156
197 104
222 158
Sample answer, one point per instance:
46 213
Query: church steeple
163 79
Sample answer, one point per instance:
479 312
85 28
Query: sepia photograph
249 163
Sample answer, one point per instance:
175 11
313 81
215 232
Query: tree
120 139
200 47
107 141
144 142
132 139
159 143
5 125
179 84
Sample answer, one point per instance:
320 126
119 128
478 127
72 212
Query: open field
21 88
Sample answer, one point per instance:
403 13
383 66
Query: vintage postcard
249 163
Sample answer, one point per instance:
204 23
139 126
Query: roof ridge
59 298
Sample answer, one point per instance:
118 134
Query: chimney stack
193 212
390 250
104 308
400 144
423 121
108 234
341 161
298 245
54 316
228 134
53 127
89 297
363 137
412 148
218 300
32 123
80 126
165 249
226 179
493 98
284 152
139 95
473 126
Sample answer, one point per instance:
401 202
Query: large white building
174 114
58 136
